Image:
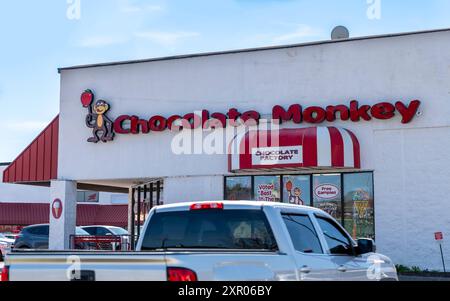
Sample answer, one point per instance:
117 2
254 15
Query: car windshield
2 236
118 231
210 229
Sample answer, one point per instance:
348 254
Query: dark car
36 237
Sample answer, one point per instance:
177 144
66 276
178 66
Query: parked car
3 250
6 244
105 230
11 235
222 241
116 232
36 237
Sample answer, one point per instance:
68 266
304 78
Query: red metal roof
39 161
25 214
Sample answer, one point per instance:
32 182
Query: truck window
209 229
302 232
337 240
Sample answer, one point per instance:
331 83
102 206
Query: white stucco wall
12 193
411 162
411 194
182 189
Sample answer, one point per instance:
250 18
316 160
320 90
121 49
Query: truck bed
211 264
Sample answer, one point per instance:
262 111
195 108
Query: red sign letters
295 113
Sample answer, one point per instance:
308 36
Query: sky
37 37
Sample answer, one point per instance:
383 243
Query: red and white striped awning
295 149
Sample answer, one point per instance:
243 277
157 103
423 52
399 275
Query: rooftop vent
339 33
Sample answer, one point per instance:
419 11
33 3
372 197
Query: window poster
327 194
267 189
359 205
296 190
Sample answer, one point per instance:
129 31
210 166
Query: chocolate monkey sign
96 119
104 129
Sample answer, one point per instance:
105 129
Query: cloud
138 9
129 8
165 38
27 126
262 1
302 31
100 41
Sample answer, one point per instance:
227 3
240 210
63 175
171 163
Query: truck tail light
5 274
181 275
206 206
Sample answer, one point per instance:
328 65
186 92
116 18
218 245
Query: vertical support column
139 201
63 214
131 215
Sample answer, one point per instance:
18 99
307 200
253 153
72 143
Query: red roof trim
39 161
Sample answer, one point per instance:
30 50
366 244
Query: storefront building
362 129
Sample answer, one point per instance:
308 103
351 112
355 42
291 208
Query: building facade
362 130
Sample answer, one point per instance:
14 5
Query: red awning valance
293 149
39 161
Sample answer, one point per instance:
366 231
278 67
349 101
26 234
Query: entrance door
144 198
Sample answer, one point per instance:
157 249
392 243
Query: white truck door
224 265
313 263
340 248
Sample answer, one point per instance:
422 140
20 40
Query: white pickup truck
219 241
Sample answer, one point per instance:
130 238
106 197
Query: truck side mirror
365 246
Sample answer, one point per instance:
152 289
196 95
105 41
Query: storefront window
238 188
297 190
267 189
359 205
347 197
327 194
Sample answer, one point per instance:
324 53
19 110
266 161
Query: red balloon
86 98
289 186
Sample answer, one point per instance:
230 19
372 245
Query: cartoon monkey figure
101 125
296 197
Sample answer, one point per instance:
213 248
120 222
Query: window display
327 194
297 190
359 205
267 189
348 197
238 188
